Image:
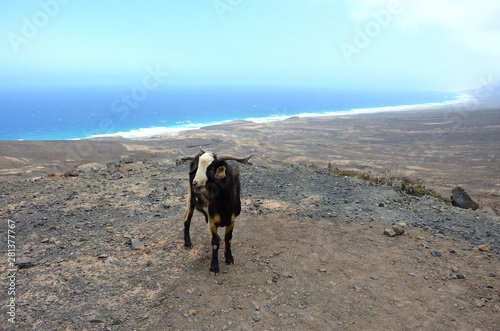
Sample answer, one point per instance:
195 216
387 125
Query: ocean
64 114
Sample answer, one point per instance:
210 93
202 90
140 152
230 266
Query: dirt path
309 251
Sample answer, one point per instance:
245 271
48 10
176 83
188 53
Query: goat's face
206 168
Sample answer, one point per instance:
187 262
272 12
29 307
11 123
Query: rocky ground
309 247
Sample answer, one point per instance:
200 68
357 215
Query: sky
367 44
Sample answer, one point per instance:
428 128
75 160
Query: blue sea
63 114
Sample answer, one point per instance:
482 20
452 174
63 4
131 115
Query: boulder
460 198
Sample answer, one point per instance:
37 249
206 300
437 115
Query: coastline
461 98
258 106
444 146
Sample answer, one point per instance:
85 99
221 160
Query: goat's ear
195 168
221 172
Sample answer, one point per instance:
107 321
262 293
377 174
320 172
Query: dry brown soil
321 263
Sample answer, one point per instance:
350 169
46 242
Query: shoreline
443 146
151 131
461 98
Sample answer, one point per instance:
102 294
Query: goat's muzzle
198 187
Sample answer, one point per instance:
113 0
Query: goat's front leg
227 244
187 219
215 241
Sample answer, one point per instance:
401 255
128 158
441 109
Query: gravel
86 224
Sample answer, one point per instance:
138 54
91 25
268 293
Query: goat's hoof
229 259
188 246
214 270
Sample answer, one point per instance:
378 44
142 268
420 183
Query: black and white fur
214 190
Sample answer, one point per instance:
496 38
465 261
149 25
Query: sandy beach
444 147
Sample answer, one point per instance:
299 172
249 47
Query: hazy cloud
474 24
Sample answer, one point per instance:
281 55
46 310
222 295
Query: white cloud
474 24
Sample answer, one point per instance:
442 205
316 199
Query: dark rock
24 264
460 198
71 173
436 254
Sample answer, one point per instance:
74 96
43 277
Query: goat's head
211 167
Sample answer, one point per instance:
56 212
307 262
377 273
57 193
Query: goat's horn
202 151
234 158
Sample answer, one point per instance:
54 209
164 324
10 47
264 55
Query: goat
214 190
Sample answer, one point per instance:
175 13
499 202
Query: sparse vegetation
396 180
